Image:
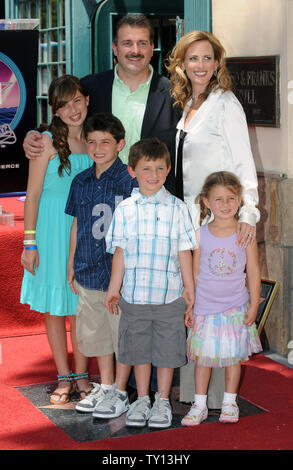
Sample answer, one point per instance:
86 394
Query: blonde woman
212 135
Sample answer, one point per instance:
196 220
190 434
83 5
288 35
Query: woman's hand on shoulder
246 234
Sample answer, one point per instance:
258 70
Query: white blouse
217 139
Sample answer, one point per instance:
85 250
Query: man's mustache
135 56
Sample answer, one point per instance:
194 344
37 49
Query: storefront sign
256 85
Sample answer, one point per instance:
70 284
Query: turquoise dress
48 289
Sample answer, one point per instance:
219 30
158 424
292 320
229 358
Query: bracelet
29 242
32 130
33 247
29 231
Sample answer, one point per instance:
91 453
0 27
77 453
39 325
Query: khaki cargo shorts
96 328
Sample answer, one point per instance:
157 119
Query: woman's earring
215 72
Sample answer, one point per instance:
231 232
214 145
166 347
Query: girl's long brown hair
61 90
218 178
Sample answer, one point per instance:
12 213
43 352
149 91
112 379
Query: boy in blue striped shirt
93 196
151 236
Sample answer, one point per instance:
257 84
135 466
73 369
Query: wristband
26 232
29 242
32 130
33 247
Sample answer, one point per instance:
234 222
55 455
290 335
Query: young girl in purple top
223 332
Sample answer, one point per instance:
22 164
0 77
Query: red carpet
26 359
15 319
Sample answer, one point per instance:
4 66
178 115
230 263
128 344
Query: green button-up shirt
129 107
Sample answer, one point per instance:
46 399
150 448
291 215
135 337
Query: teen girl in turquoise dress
47 230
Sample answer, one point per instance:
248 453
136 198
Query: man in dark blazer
133 48
160 117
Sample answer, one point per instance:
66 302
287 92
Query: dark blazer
160 118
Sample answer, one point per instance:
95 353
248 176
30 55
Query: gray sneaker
114 404
139 412
88 404
161 414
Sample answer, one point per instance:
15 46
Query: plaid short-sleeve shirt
151 231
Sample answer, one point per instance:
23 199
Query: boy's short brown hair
104 122
150 149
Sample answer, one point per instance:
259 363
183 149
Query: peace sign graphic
222 262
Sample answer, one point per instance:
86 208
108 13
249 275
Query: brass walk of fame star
178 408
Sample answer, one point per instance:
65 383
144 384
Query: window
52 57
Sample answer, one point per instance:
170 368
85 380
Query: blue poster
18 72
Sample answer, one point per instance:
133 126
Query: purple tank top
221 280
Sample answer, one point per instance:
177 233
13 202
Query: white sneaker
161 414
114 404
88 404
139 412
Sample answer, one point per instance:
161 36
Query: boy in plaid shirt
151 236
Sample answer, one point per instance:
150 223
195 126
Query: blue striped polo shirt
93 201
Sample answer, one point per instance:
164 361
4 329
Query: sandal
229 413
82 393
63 401
195 416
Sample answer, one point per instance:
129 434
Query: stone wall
275 240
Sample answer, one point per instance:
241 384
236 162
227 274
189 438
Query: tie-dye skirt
222 340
